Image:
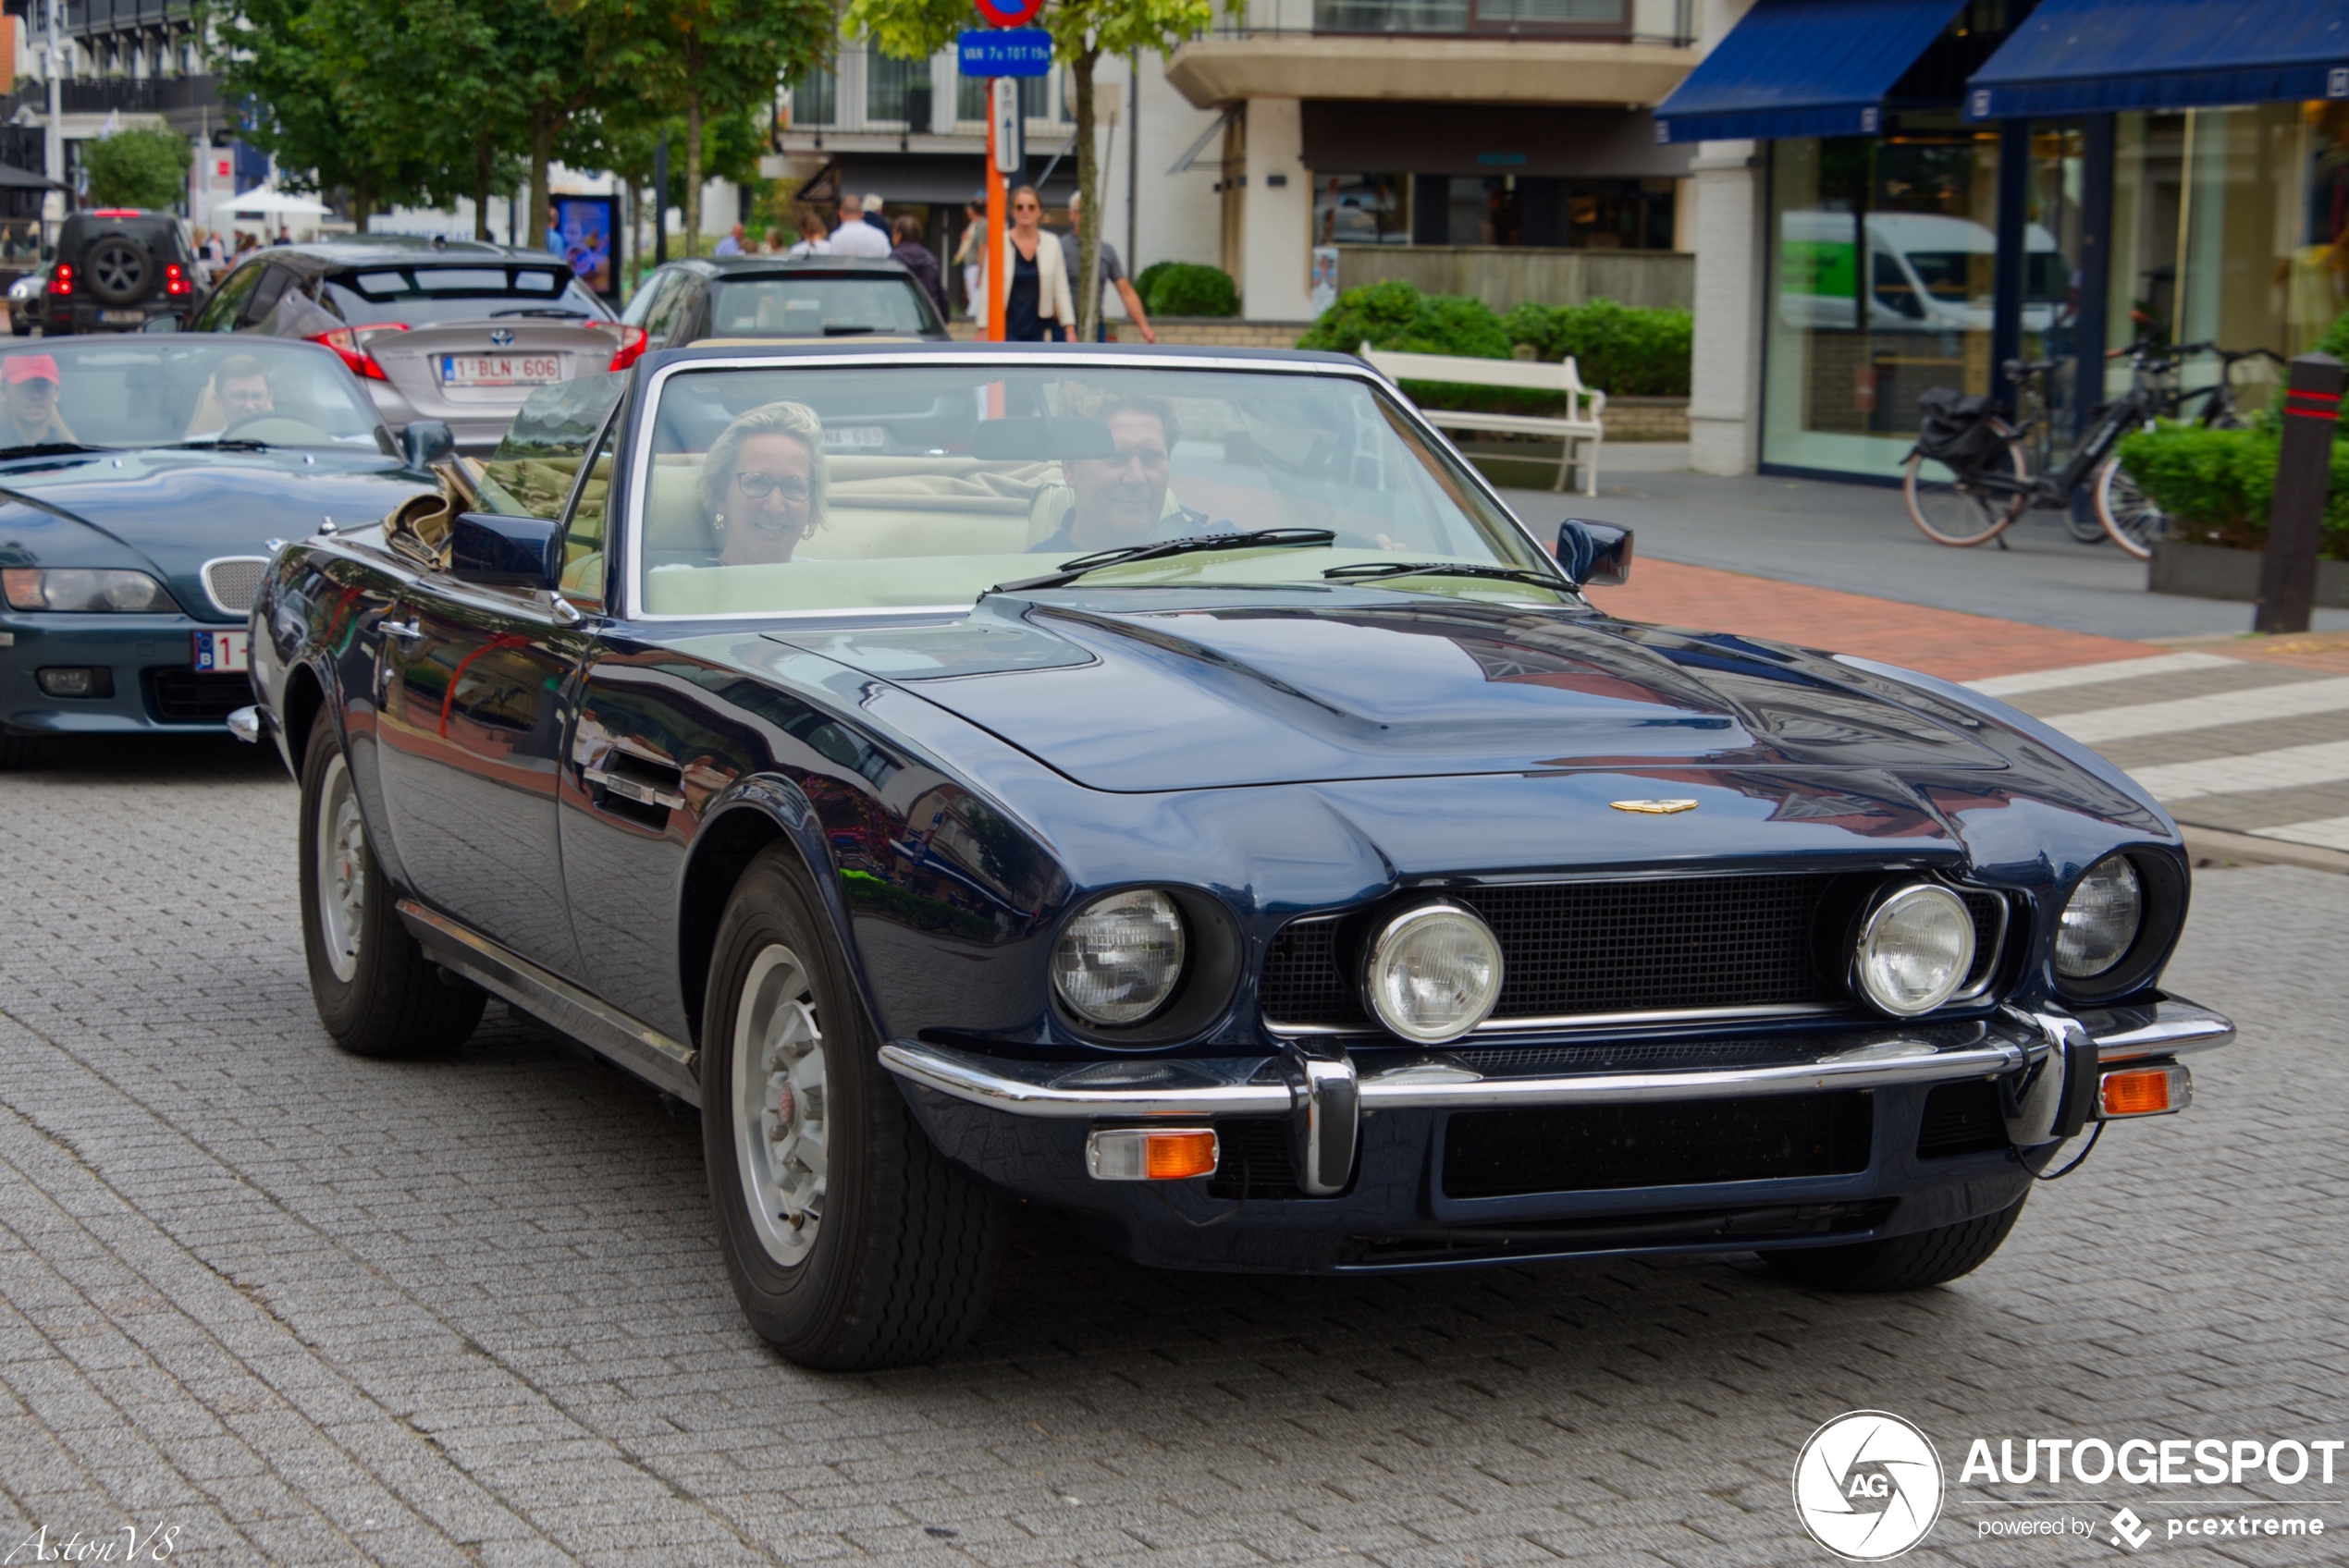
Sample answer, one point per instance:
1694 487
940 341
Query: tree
141 167
719 58
1083 31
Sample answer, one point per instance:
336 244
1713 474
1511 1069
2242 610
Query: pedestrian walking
973 245
1036 307
813 239
1112 273
854 236
917 258
731 244
773 244
873 212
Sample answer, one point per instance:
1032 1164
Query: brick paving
312 1309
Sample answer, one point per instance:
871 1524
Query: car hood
1157 695
169 513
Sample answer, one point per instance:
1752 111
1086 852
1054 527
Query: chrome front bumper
2053 1060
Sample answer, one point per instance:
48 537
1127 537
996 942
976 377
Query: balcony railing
99 15
149 95
1627 21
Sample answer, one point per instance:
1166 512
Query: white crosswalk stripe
2096 726
2329 832
2095 674
2292 765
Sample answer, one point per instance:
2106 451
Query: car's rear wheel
376 992
849 1240
1957 512
1900 1263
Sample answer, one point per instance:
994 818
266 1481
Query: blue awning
2090 56
1802 67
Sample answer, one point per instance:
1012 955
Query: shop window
1543 213
1362 209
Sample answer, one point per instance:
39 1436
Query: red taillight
350 344
116 213
61 280
633 343
174 280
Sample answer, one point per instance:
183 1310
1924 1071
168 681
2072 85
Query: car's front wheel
376 992
850 1242
1900 1263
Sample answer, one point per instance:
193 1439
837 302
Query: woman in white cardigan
1038 297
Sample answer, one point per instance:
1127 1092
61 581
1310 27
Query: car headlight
82 589
1435 972
1915 951
1118 959
2100 920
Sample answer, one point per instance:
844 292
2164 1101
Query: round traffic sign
1010 13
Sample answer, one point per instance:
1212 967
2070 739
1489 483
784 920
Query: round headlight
1434 973
2100 920
1118 959
1915 950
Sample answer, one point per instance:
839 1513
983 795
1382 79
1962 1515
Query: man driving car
239 390
1122 500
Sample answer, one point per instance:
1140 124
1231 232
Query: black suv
119 268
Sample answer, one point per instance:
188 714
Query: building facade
1901 194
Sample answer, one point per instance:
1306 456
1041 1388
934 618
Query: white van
1927 272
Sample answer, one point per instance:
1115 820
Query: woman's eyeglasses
758 486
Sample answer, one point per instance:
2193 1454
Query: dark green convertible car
144 483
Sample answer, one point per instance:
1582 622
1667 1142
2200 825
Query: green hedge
1186 288
1620 351
2217 485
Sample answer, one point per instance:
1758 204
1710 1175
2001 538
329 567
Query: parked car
25 296
781 297
459 333
116 269
143 483
1172 787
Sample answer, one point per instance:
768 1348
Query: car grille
1576 1148
1961 1118
232 582
1569 950
191 696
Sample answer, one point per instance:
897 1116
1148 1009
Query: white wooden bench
1579 428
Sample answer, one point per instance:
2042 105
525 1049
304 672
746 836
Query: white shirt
811 248
857 238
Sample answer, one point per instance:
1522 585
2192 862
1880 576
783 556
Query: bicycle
1991 459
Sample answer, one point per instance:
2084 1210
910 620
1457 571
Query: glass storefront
1881 284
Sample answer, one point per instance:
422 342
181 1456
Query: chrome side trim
1880 1064
2168 1026
1590 1020
634 790
643 1050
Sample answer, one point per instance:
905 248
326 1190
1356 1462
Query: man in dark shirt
1122 500
1112 276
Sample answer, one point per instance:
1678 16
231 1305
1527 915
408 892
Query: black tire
376 992
888 1255
1901 1263
1958 514
119 271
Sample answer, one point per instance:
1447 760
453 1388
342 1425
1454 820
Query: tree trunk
1085 284
480 189
542 153
692 170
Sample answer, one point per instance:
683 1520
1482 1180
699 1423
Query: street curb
2249 848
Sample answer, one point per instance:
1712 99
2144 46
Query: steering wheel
277 429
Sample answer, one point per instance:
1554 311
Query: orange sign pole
998 211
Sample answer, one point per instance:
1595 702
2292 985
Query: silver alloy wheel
779 1093
342 870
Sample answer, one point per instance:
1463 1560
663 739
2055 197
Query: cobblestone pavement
297 1308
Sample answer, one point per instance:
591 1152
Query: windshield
173 390
785 488
815 307
414 295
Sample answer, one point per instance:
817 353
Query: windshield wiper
1372 572
47 449
234 444
1260 539
549 311
832 330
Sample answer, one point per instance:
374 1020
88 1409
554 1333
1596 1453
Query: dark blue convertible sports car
143 483
1172 787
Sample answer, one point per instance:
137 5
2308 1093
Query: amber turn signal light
2145 1091
1150 1154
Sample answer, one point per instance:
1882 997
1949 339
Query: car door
474 711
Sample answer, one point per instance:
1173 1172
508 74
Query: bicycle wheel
1957 512
2132 518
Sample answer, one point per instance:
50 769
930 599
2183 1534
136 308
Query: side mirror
495 551
424 442
1595 555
